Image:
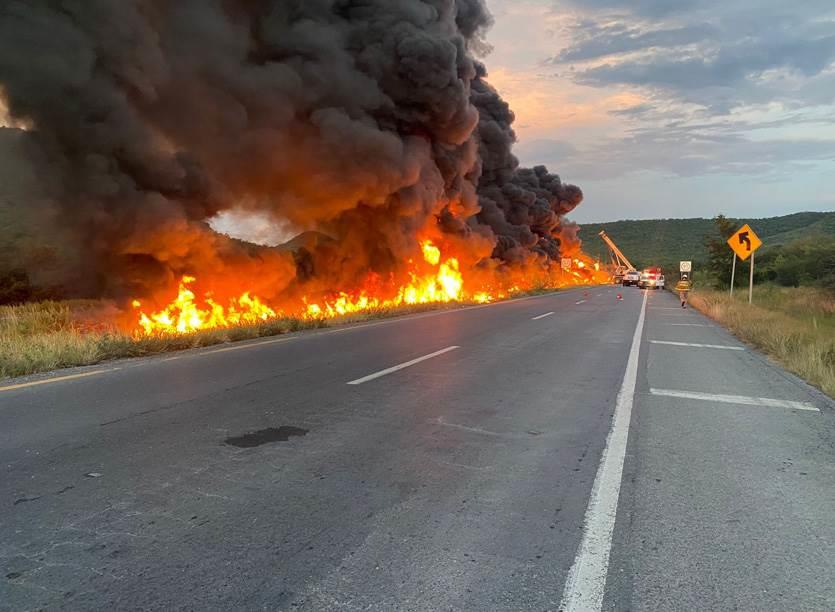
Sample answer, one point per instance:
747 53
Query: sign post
744 242
733 274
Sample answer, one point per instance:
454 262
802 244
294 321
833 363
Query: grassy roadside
46 336
795 326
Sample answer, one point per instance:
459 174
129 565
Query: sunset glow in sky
673 108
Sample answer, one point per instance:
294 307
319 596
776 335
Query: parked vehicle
631 277
651 278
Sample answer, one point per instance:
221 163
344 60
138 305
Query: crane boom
622 264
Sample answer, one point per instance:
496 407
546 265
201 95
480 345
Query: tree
719 255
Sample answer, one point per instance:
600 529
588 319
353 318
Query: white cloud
657 94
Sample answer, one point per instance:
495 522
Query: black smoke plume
134 123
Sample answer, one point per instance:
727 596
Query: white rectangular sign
566 263
685 266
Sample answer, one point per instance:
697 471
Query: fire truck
651 278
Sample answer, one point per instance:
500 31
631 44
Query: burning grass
796 326
52 335
49 335
434 278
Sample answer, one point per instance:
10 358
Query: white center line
401 366
587 579
696 345
580 302
542 316
736 399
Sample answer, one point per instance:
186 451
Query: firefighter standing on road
683 286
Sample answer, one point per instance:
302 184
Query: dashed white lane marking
56 379
580 302
256 344
542 316
736 399
696 345
687 324
401 366
587 579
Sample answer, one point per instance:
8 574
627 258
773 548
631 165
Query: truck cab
631 277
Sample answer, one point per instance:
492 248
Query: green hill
666 241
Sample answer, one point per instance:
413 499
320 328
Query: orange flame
183 315
435 280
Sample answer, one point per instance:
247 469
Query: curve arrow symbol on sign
744 239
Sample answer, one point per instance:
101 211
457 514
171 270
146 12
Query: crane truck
623 267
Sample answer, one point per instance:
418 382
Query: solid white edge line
736 399
401 366
542 316
586 582
695 345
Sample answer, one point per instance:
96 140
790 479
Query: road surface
569 451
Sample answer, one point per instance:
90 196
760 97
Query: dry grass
51 335
794 326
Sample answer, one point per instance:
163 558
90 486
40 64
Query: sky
673 108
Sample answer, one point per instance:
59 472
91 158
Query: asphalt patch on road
265 436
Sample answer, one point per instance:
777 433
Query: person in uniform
683 286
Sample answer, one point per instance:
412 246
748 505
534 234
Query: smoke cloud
131 124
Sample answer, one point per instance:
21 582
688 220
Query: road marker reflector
736 399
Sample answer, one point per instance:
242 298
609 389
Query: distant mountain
665 241
309 240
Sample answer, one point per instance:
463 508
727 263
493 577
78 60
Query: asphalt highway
573 451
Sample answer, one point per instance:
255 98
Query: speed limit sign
685 266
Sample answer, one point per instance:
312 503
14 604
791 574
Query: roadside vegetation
664 242
795 326
49 335
792 318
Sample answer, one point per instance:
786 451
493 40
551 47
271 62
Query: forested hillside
662 241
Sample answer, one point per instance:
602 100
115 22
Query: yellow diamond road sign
744 242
